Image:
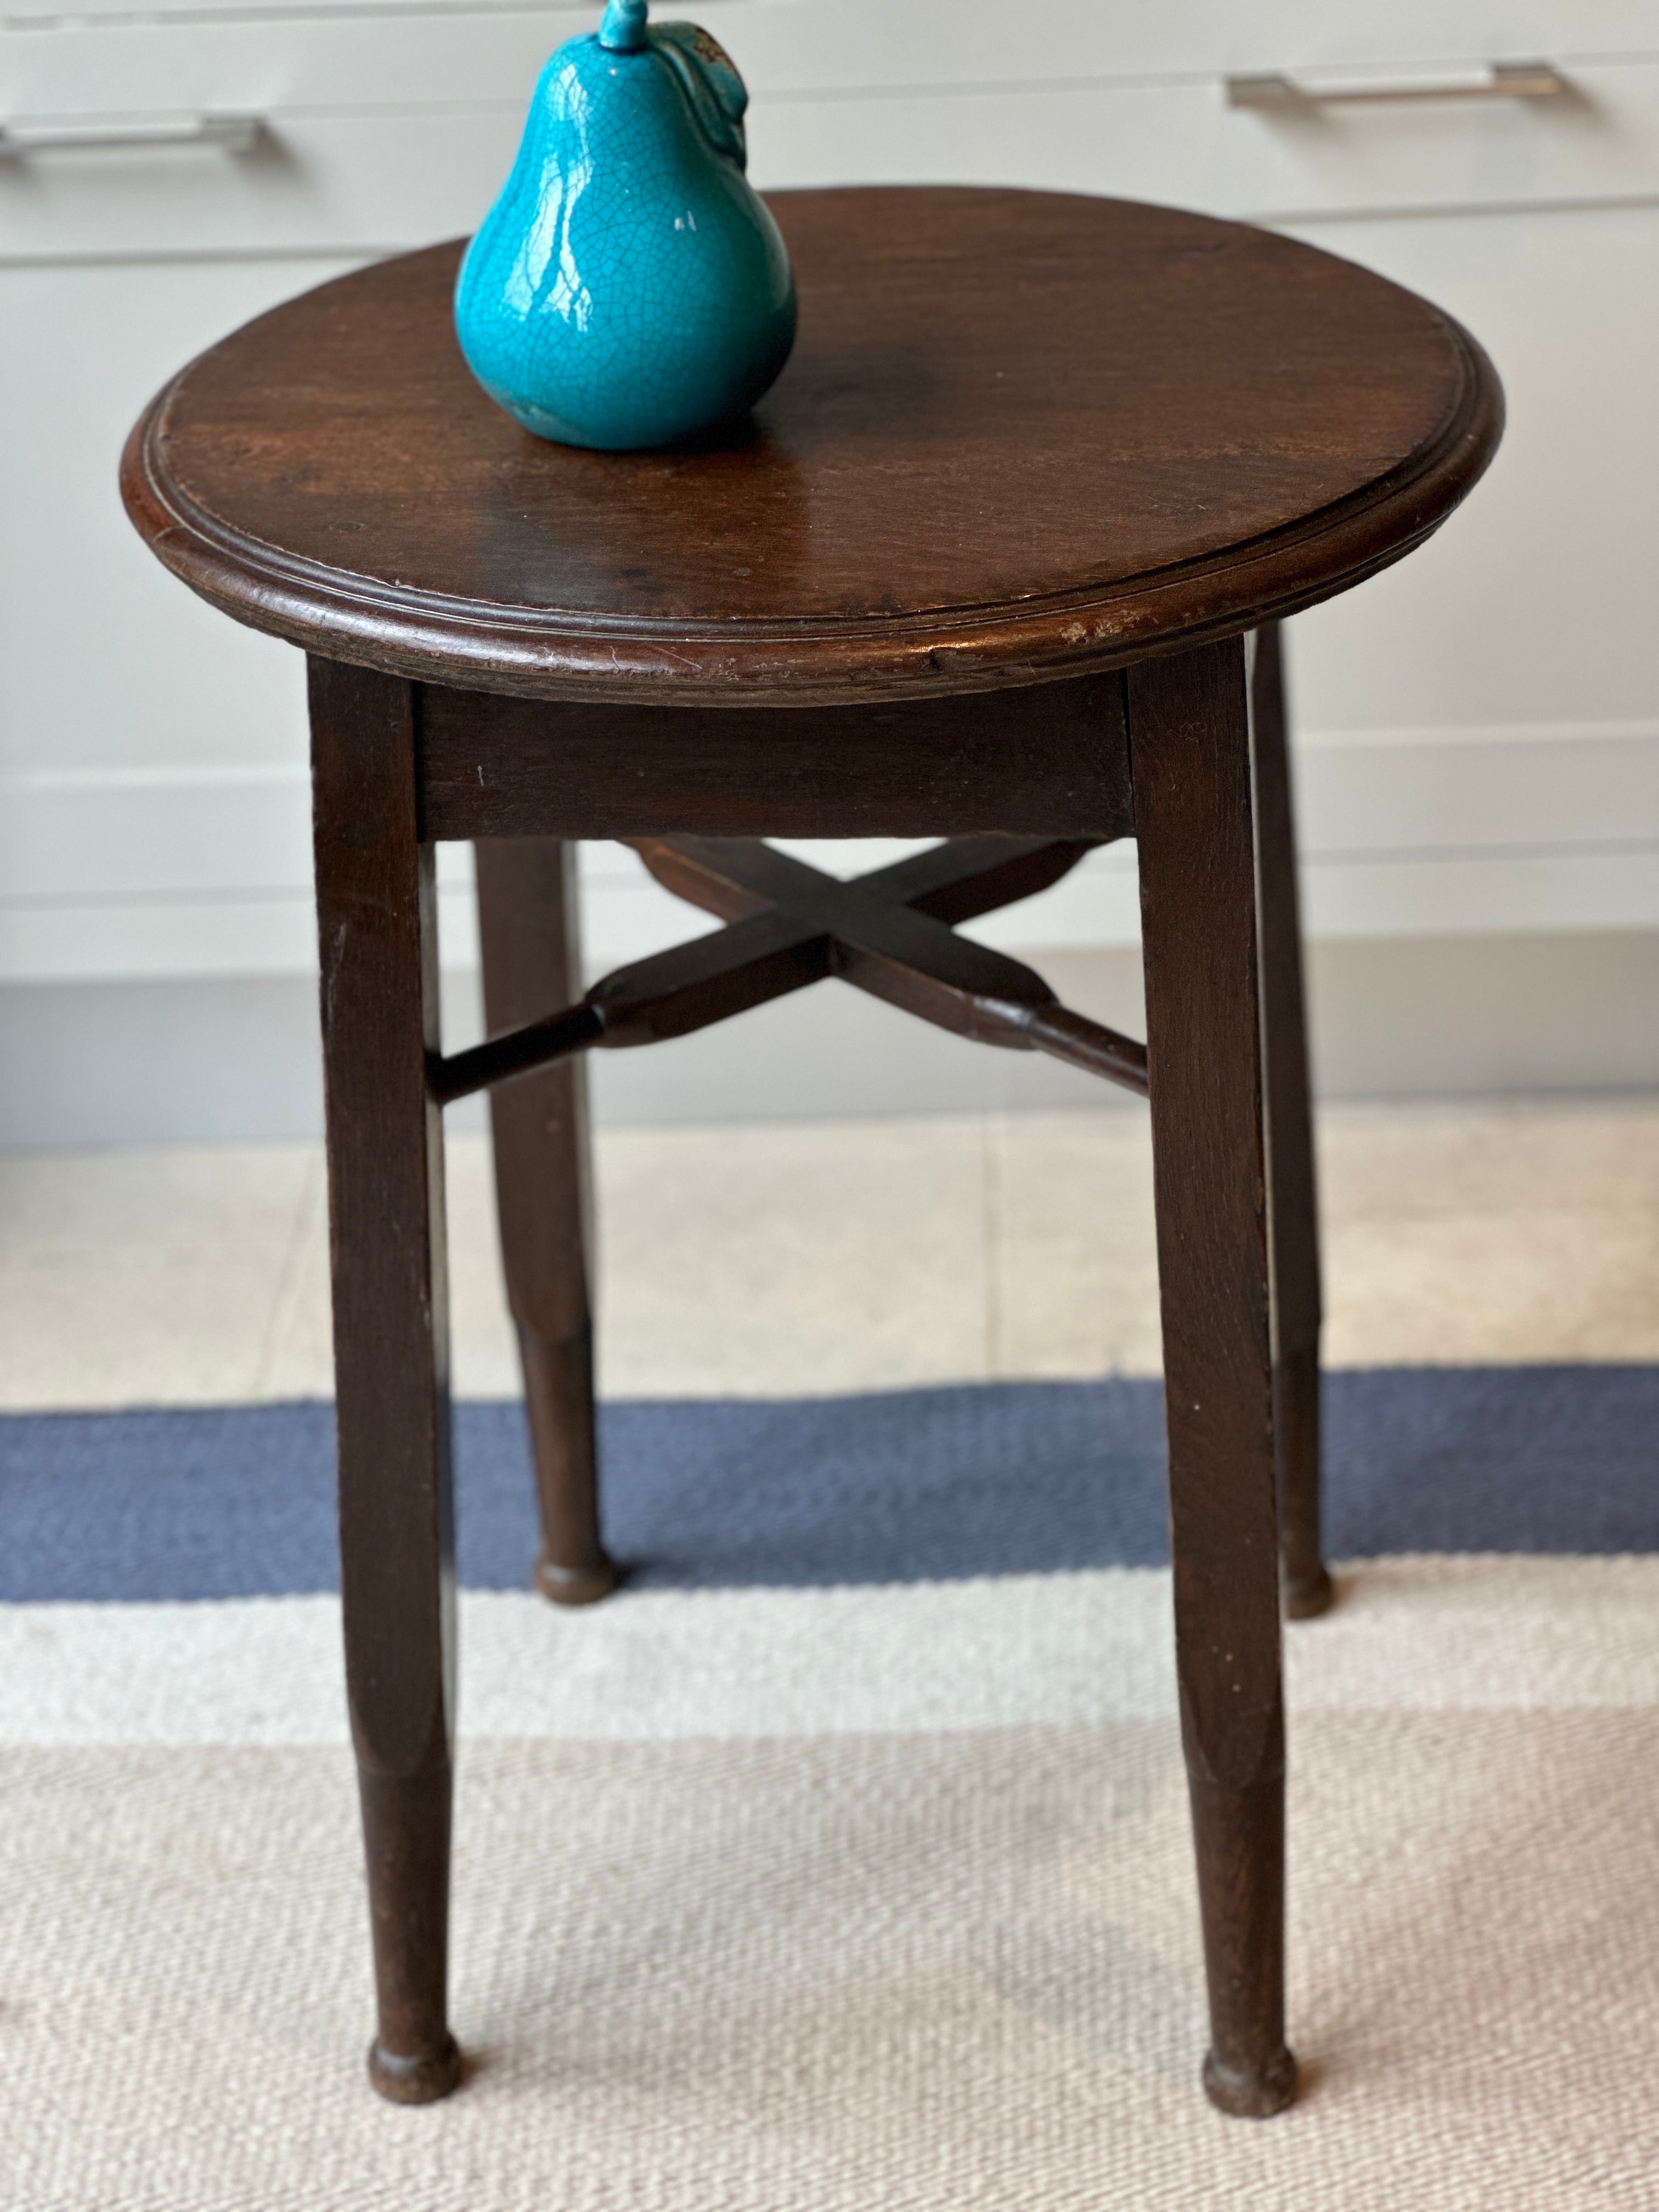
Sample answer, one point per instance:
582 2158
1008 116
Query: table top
1023 435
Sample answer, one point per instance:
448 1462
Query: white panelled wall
1478 730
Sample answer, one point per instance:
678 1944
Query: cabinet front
162 179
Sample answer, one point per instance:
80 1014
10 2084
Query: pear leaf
710 82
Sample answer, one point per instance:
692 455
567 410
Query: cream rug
736 1945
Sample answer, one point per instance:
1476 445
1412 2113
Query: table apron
1046 760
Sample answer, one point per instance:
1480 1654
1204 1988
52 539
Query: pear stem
622 30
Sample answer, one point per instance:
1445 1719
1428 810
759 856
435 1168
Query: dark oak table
999 561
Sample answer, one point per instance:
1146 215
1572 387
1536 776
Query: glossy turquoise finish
629 287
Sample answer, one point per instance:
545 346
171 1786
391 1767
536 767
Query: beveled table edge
541 654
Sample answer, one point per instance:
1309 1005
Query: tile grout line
285 1299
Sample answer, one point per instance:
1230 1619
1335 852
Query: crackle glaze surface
629 288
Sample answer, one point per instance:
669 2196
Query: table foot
1250 2095
421 2080
576 1585
1306 1599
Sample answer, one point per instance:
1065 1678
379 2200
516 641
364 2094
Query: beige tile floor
801 1257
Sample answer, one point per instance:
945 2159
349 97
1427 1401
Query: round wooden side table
988 565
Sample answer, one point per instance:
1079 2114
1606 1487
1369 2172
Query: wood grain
1023 435
531 940
1190 740
789 925
1292 1195
1048 760
376 925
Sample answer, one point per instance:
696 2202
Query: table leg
1190 740
1292 1197
375 918
528 924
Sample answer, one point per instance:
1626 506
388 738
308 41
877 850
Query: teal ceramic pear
629 287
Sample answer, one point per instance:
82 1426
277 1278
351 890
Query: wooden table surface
1023 435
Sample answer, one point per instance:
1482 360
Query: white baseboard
168 874
218 1059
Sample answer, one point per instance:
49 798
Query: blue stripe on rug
1007 1477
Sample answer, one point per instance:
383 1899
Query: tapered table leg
1292 1195
1190 742
527 921
374 901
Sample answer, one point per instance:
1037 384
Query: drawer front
108 663
369 140
851 42
445 61
1533 606
847 45
383 179
1182 144
369 184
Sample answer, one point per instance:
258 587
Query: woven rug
841 1860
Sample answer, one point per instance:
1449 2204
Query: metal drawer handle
1501 80
235 134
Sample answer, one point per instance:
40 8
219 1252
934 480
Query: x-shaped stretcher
891 933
